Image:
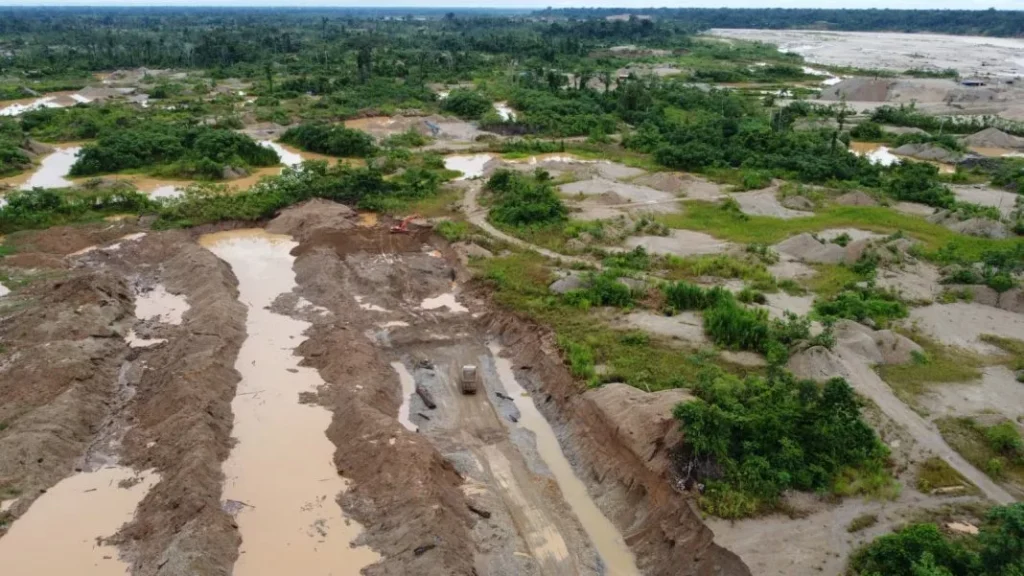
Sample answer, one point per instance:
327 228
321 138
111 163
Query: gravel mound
981 227
927 152
993 138
859 90
856 198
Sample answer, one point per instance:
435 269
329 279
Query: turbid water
59 533
471 165
616 556
53 170
408 389
280 475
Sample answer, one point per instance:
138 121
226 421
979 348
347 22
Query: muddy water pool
280 477
606 539
408 389
471 165
58 534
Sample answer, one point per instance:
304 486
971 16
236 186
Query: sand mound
816 363
807 248
856 198
303 220
610 198
980 227
993 138
766 203
876 346
679 243
643 420
859 90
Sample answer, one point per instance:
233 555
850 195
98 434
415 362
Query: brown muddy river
280 477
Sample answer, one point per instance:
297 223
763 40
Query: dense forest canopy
967 22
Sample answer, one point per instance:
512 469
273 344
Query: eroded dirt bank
469 491
123 354
623 451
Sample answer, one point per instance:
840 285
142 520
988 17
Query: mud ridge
402 489
181 414
58 380
662 526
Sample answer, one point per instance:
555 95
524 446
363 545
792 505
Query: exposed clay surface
962 324
627 460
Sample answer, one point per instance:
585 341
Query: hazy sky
915 4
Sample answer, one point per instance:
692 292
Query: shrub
466 104
686 296
1005 439
862 303
332 140
753 438
520 201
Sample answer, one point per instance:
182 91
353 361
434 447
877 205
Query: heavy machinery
403 226
468 379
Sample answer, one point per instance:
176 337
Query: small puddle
408 389
876 153
160 304
135 341
280 474
443 301
507 114
167 191
22 106
53 170
617 558
58 534
881 154
370 307
471 165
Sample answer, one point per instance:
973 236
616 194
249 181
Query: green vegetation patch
331 140
751 439
936 474
172 151
937 365
924 550
997 448
862 303
938 241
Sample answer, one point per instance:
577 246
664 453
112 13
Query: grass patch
520 283
709 217
935 473
971 439
721 266
434 206
1012 346
939 364
831 279
862 522
453 230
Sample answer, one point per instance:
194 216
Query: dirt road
478 216
868 383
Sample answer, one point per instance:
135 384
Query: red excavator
403 226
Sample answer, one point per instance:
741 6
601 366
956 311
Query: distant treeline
966 22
